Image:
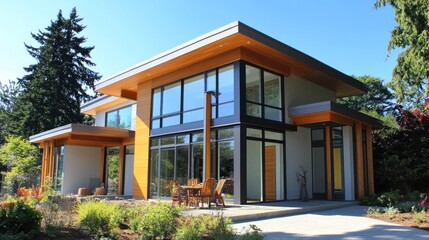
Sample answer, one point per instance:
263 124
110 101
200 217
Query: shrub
419 216
254 233
99 217
20 218
371 200
371 210
205 227
157 220
57 213
390 199
391 212
406 207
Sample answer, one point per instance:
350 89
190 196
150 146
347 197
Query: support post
370 159
207 125
328 163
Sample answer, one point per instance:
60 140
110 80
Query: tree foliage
401 156
57 83
8 96
411 73
22 160
378 98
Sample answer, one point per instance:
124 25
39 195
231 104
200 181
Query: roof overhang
232 42
78 134
329 113
101 103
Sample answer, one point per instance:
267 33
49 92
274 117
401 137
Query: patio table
192 191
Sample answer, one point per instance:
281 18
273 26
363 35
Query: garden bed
405 219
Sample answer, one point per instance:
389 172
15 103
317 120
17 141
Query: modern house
233 103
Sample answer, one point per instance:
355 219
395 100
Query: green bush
371 200
391 212
254 233
21 218
205 227
371 210
100 217
390 199
156 220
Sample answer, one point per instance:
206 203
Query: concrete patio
270 210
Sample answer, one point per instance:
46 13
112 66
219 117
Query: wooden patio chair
192 181
176 195
217 196
207 191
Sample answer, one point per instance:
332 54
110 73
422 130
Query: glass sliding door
318 154
254 171
112 170
182 166
166 170
58 168
197 162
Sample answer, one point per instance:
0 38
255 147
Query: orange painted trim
370 159
328 163
359 161
129 94
320 117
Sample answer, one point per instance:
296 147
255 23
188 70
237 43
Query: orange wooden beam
328 162
370 159
207 125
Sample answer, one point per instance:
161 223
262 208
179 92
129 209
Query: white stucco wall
298 153
100 117
299 91
81 164
349 185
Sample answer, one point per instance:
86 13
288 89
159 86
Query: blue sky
350 36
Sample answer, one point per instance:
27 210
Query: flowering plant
301 177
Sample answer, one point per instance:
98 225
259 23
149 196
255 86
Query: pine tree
57 83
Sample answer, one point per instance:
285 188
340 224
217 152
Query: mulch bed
405 219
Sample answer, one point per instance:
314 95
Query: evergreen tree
411 73
58 82
8 96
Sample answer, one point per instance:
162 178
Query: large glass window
180 157
119 118
183 101
263 94
58 168
112 170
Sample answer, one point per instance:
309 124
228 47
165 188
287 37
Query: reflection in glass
167 140
253 110
226 159
253 84
166 171
193 93
182 164
226 84
154 166
156 102
58 173
171 121
273 114
112 170
272 90
171 98
112 118
273 135
193 116
251 132
226 109
156 124
211 84
197 162
125 118
226 133
183 138
197 137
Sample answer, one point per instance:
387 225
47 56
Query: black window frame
117 116
262 94
181 112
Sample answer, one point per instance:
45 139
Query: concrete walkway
340 223
269 210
